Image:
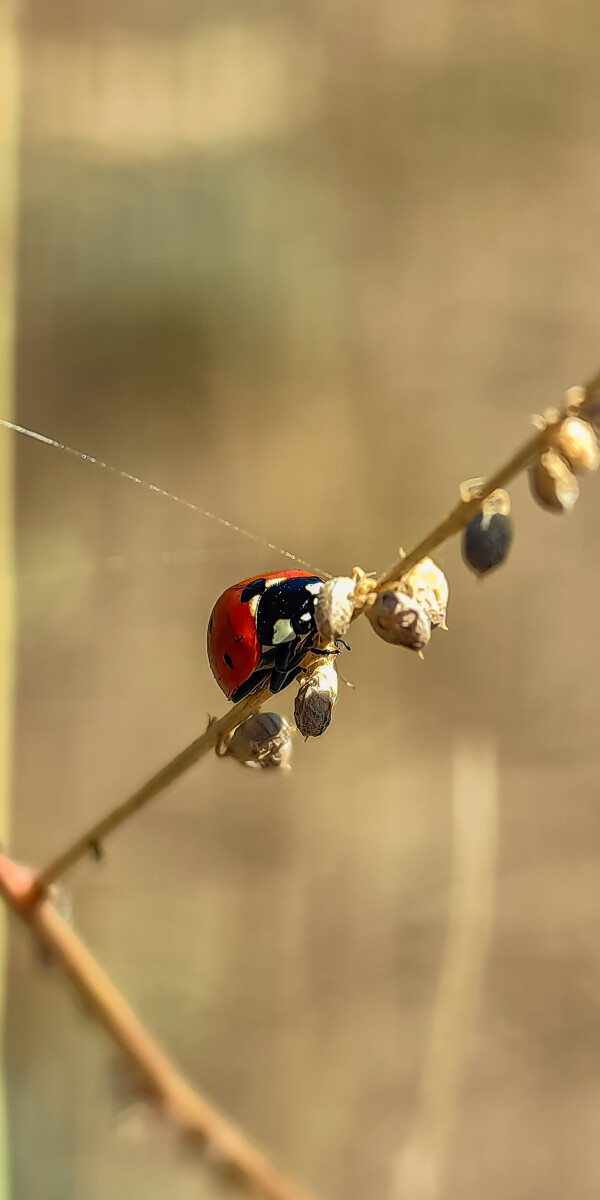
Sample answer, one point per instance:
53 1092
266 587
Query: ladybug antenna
153 487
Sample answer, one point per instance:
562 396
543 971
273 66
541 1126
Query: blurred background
309 265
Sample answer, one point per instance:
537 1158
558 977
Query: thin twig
420 1166
224 1145
92 839
465 509
452 524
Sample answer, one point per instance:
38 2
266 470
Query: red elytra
260 630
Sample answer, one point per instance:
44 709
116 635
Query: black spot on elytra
256 587
228 661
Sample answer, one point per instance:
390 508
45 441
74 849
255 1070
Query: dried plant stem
92 839
420 1167
224 1146
452 524
465 509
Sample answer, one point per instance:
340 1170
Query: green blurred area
310 266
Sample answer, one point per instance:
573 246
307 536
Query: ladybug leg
282 675
328 653
283 661
287 663
252 684
280 681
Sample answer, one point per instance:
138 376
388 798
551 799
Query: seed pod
487 538
427 584
263 740
317 694
578 444
553 484
335 607
399 620
486 541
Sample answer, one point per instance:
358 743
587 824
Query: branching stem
92 840
217 1138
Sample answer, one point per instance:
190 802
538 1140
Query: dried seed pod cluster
399 620
316 697
574 451
263 740
405 614
487 538
338 601
335 608
427 584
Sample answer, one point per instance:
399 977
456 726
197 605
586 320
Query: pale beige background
310 265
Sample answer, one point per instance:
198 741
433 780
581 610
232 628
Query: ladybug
260 630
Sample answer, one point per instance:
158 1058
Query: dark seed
486 541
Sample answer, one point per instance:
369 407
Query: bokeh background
310 265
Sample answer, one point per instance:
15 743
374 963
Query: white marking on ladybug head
306 617
253 605
282 631
315 587
271 582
